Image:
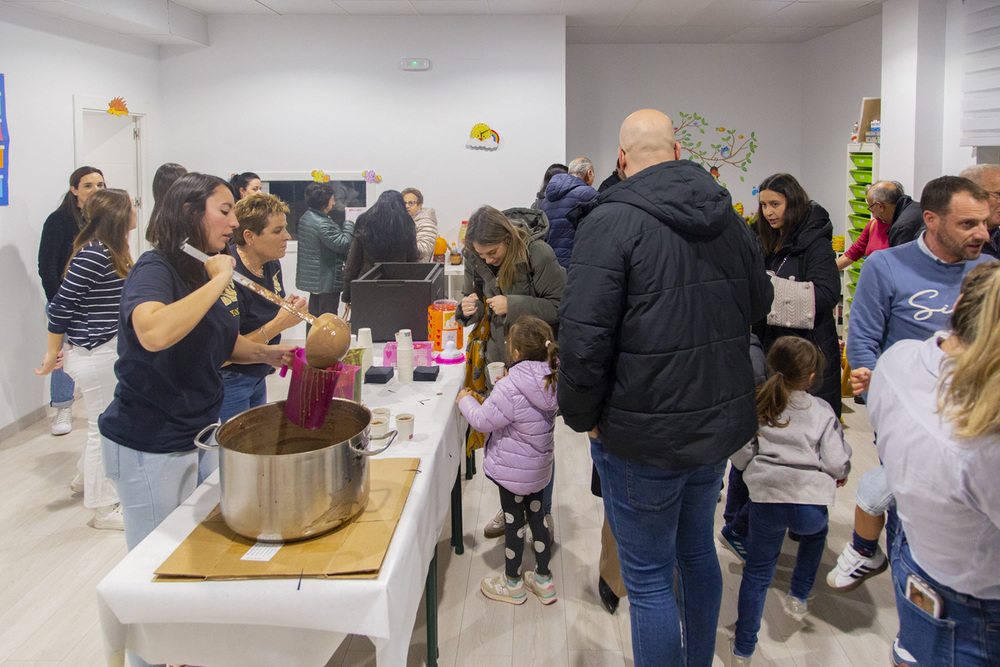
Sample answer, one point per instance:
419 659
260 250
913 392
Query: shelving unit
862 170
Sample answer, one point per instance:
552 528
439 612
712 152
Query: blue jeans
768 523
150 486
968 632
61 386
662 521
242 392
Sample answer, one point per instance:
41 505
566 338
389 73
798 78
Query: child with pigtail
519 418
792 470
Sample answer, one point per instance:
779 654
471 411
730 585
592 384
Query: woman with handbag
510 271
796 236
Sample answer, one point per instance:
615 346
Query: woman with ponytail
519 415
936 407
792 470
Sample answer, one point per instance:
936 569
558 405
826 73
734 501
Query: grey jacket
799 463
536 291
323 246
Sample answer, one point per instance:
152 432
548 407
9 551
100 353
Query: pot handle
210 429
391 435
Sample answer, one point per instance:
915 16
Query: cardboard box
214 552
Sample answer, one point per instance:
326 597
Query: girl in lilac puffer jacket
520 415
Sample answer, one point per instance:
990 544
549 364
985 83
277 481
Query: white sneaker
109 517
739 660
853 568
796 608
76 486
62 423
495 527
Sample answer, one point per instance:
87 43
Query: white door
115 145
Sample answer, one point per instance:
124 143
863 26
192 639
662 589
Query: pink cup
309 393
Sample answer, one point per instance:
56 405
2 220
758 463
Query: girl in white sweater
792 470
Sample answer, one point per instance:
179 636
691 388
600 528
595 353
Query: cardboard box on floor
213 551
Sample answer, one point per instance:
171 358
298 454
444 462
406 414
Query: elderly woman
424 219
323 247
385 233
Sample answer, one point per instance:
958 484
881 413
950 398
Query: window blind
981 84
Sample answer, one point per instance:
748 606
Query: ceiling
587 21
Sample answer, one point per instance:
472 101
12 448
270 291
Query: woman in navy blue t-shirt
179 323
260 241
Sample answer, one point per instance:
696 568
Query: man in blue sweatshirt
906 292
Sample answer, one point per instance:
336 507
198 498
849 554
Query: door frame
139 112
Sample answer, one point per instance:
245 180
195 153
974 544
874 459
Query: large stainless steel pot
282 482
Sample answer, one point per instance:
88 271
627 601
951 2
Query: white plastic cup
404 426
496 371
379 425
404 339
365 337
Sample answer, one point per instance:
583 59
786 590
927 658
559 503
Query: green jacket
536 291
323 247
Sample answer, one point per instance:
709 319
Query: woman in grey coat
509 264
323 248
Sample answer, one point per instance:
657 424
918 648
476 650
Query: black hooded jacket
807 253
664 283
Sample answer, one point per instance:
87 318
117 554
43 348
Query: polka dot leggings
515 509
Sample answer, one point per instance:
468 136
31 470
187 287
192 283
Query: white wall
42 73
752 87
305 93
840 68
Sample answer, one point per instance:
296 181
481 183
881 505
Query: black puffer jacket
664 283
808 255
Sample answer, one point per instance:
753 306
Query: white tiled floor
51 561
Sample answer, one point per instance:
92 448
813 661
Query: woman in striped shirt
85 311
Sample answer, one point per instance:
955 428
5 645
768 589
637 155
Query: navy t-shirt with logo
164 398
255 310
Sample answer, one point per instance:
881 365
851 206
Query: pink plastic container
309 392
423 353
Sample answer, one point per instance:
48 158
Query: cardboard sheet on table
213 551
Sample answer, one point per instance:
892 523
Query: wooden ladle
328 340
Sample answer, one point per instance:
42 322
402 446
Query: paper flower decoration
483 138
371 177
320 177
117 107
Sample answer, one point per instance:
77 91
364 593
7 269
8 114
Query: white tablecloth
270 622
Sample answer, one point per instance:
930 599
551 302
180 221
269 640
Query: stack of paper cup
365 341
404 355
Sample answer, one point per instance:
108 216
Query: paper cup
365 337
384 413
495 370
379 425
404 426
404 339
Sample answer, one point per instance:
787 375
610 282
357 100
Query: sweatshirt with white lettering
903 293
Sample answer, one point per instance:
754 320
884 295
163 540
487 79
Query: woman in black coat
797 239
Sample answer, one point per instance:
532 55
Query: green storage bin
862 175
860 206
858 192
859 222
850 288
862 160
854 274
855 233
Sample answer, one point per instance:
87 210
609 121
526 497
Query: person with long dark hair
384 233
164 177
550 171
85 311
247 183
796 236
54 251
178 324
